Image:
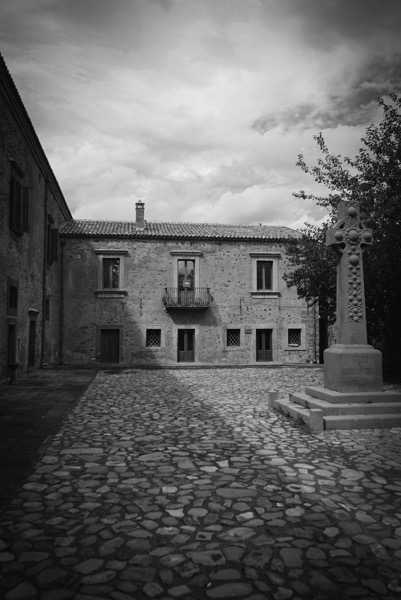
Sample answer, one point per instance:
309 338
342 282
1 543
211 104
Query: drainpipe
61 324
44 277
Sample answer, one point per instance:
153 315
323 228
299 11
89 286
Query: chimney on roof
140 214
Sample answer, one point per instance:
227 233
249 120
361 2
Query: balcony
196 299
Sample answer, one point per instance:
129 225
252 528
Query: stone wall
23 249
224 267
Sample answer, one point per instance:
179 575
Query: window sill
295 348
111 293
265 294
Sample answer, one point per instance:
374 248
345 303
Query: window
111 273
233 337
265 274
186 274
294 337
186 270
19 206
12 297
264 270
153 338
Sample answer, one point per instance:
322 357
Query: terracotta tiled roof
128 229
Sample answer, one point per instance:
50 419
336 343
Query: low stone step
362 421
353 397
329 408
312 418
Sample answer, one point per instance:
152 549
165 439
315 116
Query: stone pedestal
352 396
353 368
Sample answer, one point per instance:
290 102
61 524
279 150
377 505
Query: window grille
294 337
233 337
153 338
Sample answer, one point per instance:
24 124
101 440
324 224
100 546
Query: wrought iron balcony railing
198 298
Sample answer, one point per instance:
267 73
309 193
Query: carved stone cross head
348 238
349 233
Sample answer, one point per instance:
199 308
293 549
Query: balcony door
186 345
264 351
186 281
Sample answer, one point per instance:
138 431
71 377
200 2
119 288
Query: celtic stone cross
348 238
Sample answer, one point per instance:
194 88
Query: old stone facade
209 294
32 208
130 293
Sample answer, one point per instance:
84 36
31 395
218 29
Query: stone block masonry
147 268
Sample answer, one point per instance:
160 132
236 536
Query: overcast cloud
198 107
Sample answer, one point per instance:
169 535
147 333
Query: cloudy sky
198 107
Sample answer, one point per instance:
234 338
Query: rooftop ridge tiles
192 223
125 229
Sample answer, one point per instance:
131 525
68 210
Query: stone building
167 293
130 293
32 207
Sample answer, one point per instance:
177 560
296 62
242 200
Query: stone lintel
353 368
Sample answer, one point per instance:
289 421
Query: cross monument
351 365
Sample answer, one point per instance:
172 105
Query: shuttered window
18 206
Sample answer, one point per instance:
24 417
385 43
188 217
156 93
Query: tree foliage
373 177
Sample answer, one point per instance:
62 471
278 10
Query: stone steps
354 397
352 408
362 421
343 411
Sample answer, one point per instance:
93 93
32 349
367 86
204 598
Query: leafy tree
373 177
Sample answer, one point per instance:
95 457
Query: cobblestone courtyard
184 484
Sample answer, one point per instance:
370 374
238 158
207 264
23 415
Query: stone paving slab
184 484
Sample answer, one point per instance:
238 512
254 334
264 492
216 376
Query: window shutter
25 210
12 201
17 203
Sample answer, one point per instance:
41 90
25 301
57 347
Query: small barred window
294 337
153 338
233 337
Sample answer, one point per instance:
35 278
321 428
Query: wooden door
264 351
32 343
110 345
186 345
12 344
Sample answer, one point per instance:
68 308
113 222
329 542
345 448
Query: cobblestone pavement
184 484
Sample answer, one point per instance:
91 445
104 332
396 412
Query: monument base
324 410
354 368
